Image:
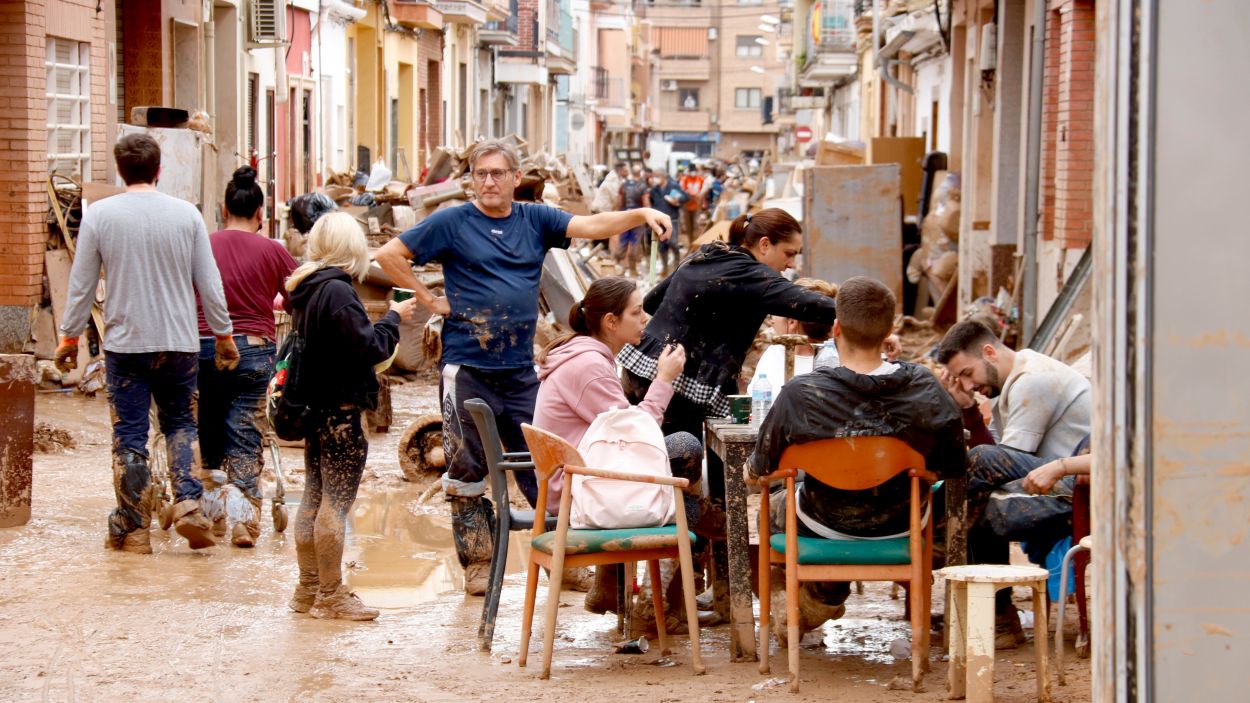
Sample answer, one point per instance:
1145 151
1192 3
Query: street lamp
769 19
757 69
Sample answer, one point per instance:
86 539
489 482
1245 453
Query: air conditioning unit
267 20
668 86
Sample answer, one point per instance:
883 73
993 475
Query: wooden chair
567 548
852 464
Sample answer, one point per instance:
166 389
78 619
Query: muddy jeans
231 410
991 466
511 394
134 381
334 459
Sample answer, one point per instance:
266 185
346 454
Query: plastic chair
1082 548
566 548
852 464
507 518
1080 530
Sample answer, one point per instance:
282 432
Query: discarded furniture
507 518
565 548
850 464
852 220
970 619
728 446
1082 548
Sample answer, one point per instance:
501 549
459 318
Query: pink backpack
622 440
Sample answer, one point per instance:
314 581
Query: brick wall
527 13
429 63
23 149
1068 128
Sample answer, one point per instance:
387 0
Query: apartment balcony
561 45
520 70
500 10
462 12
415 14
832 54
684 69
608 92
499 33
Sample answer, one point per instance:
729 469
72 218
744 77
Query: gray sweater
156 255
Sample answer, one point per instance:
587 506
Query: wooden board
907 152
851 224
58 264
833 154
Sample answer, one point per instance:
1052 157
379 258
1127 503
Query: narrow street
85 623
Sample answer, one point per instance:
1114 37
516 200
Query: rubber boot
190 522
473 531
243 500
129 522
601 598
307 588
642 617
812 612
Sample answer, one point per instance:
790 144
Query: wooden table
728 447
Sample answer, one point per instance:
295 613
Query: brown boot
192 525
303 599
476 578
244 535
219 527
579 579
601 598
136 542
341 605
812 612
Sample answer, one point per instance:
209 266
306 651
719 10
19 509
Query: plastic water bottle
761 399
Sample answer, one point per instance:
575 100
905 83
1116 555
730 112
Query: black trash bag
306 209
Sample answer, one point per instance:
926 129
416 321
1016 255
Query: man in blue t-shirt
492 252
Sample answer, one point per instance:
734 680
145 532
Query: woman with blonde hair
341 347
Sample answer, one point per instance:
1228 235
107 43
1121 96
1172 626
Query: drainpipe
1033 178
208 168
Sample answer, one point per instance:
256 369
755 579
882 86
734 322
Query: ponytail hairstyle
243 195
605 296
774 224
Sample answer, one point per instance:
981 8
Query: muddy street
78 622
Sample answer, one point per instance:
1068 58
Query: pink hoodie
580 381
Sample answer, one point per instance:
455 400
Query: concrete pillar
1009 105
17 437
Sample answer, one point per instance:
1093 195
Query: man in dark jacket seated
865 396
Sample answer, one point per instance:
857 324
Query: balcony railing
607 90
837 28
560 31
509 25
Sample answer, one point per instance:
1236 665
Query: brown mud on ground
49 439
81 623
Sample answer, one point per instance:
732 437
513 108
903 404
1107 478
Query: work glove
227 355
66 354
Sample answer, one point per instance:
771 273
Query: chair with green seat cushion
565 548
849 464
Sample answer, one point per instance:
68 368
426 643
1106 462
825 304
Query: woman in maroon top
232 403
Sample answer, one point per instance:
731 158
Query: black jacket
713 305
909 404
341 345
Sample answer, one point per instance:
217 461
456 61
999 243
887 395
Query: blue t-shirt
491 270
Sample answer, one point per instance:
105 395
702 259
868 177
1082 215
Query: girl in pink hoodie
579 380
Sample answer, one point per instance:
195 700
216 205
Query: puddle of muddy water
399 556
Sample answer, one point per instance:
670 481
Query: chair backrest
852 463
484 420
549 452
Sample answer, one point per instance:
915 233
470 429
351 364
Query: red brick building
54 70
1068 124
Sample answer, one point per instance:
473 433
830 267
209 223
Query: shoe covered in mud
136 542
812 613
601 598
579 579
219 527
705 600
244 535
1008 634
476 578
341 605
190 522
304 597
712 520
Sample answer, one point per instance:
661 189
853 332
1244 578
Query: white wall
844 112
330 62
933 79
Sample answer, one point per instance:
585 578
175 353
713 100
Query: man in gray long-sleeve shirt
156 252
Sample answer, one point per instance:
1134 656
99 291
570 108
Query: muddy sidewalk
78 622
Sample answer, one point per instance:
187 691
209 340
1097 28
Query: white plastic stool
970 617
